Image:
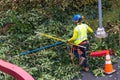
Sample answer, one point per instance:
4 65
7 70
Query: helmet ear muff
79 20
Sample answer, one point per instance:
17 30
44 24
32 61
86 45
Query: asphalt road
113 76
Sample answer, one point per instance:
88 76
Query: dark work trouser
84 50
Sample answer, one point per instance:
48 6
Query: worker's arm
75 33
90 29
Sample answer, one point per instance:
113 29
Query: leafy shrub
54 18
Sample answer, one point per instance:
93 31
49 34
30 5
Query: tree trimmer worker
80 38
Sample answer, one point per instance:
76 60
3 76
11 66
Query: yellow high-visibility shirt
80 35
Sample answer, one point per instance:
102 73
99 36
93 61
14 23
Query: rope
39 49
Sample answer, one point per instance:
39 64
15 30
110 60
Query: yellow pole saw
58 39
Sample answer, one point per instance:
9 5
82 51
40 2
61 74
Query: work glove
69 42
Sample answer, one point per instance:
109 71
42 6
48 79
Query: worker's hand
69 42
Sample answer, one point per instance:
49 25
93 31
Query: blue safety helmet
77 17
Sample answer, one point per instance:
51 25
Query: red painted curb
15 71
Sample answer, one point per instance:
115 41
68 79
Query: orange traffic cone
108 69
